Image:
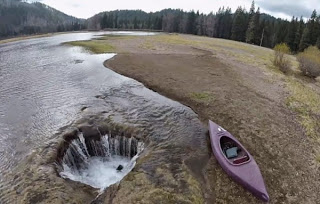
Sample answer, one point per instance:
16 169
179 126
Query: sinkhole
99 161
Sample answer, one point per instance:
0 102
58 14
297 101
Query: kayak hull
246 172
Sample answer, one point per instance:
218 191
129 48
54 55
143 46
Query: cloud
289 8
279 8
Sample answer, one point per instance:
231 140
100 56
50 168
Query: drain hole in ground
99 161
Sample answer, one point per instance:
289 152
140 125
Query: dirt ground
235 85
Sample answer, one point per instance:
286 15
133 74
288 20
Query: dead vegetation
280 57
310 62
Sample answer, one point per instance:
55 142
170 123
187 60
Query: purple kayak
236 161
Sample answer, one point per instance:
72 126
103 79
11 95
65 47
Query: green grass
174 39
95 46
201 96
116 37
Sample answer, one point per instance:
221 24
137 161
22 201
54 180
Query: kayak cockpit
233 152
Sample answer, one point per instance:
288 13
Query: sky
278 8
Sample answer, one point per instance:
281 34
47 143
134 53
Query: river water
44 86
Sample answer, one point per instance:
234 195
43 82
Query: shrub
310 62
280 58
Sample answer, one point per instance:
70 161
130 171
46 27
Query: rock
120 167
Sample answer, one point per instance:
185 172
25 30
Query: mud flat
236 85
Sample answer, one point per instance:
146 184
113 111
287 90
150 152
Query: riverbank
26 37
275 116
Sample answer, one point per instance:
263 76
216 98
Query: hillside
22 18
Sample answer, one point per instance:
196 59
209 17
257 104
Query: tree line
21 18
245 26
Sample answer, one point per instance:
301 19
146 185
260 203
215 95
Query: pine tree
227 24
252 10
104 21
238 31
191 23
317 28
251 14
290 38
312 24
135 23
298 35
305 40
252 34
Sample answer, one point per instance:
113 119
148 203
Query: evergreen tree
252 35
291 35
104 21
252 10
251 14
305 40
191 23
135 23
298 35
238 31
227 24
313 27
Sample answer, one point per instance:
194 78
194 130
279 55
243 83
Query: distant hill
21 18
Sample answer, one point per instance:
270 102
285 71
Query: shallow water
44 85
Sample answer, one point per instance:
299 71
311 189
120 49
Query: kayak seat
241 160
232 152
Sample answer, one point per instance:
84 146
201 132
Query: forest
242 25
18 17
22 18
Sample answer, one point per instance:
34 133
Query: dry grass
306 102
148 45
310 62
280 59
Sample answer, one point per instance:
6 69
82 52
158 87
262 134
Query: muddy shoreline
238 96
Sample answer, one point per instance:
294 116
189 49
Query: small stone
120 167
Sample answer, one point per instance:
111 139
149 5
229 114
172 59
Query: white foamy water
100 172
99 167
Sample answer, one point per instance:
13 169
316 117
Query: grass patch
148 45
204 96
174 39
95 46
116 37
306 102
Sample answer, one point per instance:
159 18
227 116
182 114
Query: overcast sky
279 8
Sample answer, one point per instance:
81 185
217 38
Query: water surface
44 86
